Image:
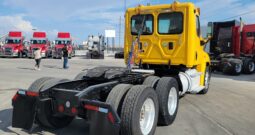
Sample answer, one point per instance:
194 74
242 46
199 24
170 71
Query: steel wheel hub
147 116
251 66
238 68
172 100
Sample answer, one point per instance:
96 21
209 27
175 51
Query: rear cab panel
162 47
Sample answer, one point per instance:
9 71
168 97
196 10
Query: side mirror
209 29
202 42
205 41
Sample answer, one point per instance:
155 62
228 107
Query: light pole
125 6
119 32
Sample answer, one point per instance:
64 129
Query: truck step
195 74
197 89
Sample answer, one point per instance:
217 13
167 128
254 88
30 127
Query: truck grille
59 51
8 51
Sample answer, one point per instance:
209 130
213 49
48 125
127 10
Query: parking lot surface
227 109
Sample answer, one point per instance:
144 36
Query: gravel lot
228 108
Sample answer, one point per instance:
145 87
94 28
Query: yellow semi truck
165 58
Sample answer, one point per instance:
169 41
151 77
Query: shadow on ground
77 127
52 66
25 68
242 77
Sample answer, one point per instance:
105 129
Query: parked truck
40 41
233 47
63 38
14 45
170 61
96 46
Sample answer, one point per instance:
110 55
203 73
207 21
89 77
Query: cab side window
198 26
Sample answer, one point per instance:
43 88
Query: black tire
52 82
20 55
248 66
206 84
44 116
151 81
117 96
38 84
133 103
80 75
235 70
163 90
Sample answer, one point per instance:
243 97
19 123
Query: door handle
140 46
170 45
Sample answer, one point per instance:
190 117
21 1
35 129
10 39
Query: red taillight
102 110
15 97
74 110
91 107
32 94
61 108
110 117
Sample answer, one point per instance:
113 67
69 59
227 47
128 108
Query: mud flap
103 120
23 111
44 111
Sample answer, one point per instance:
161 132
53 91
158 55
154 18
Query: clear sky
84 17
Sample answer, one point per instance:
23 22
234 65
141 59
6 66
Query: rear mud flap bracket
103 120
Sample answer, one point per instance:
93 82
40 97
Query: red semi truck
64 38
40 41
233 47
14 45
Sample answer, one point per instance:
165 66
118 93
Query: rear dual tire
167 90
248 66
44 116
151 81
140 111
137 106
80 76
117 95
168 94
232 66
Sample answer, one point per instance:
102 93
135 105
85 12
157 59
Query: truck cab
96 45
63 38
40 41
233 47
244 42
166 37
14 46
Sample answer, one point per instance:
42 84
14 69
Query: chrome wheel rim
172 100
251 66
147 116
238 68
207 79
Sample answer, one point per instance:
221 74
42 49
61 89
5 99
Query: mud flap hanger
24 109
103 119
